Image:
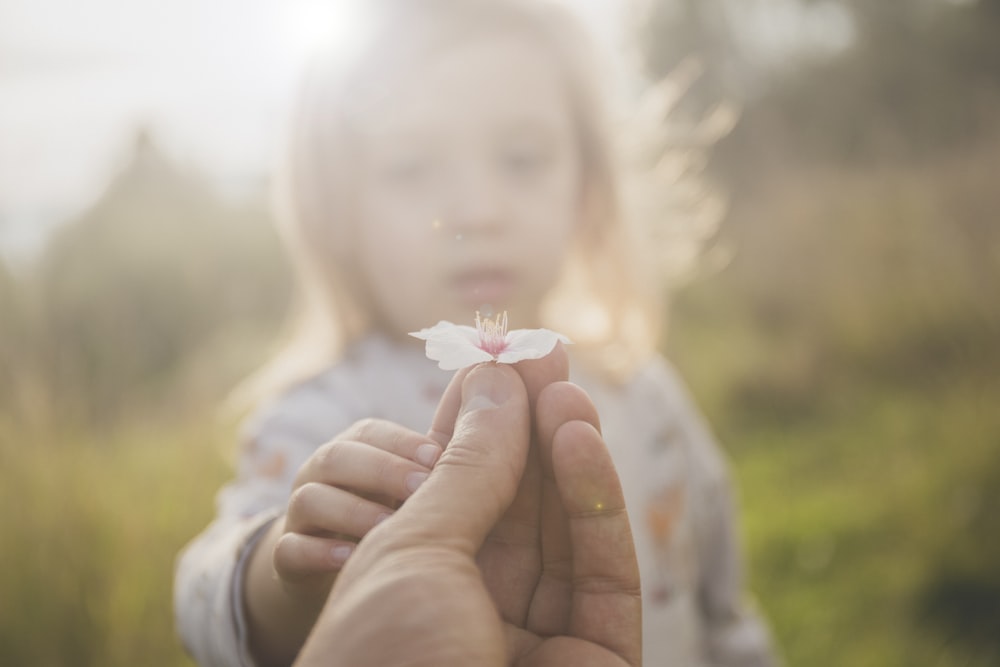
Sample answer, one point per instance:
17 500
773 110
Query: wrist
278 618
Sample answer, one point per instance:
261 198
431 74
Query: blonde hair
606 301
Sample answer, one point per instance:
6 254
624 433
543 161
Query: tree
145 279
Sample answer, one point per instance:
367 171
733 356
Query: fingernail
341 553
484 389
414 480
427 454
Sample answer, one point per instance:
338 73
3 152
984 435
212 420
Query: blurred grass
848 515
92 524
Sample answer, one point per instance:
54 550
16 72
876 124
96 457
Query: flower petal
456 346
453 346
530 344
452 358
440 327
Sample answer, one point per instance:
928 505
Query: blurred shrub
158 270
878 274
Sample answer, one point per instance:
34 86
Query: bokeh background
843 334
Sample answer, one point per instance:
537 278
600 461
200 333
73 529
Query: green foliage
847 510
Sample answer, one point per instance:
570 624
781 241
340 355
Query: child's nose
474 205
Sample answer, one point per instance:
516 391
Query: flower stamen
492 333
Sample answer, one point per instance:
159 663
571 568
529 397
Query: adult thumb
478 473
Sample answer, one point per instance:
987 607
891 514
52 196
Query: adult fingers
537 374
443 424
477 476
510 558
558 404
522 518
607 606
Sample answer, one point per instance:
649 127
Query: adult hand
413 592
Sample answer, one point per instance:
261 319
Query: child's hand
346 487
341 492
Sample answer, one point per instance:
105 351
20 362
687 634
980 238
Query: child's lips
481 287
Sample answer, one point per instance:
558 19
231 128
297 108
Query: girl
458 159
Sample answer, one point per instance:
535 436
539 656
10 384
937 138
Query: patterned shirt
674 477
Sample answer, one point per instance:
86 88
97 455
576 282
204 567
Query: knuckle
364 428
328 456
301 499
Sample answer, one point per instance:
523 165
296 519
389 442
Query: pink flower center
492 333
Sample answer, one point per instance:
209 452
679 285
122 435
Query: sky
211 80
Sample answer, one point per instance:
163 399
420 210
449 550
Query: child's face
469 186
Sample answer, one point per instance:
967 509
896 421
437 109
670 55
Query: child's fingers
316 509
299 557
395 439
363 468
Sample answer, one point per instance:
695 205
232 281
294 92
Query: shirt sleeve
208 595
209 572
734 634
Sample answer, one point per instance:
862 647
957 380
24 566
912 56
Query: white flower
456 346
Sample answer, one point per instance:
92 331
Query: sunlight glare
334 27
